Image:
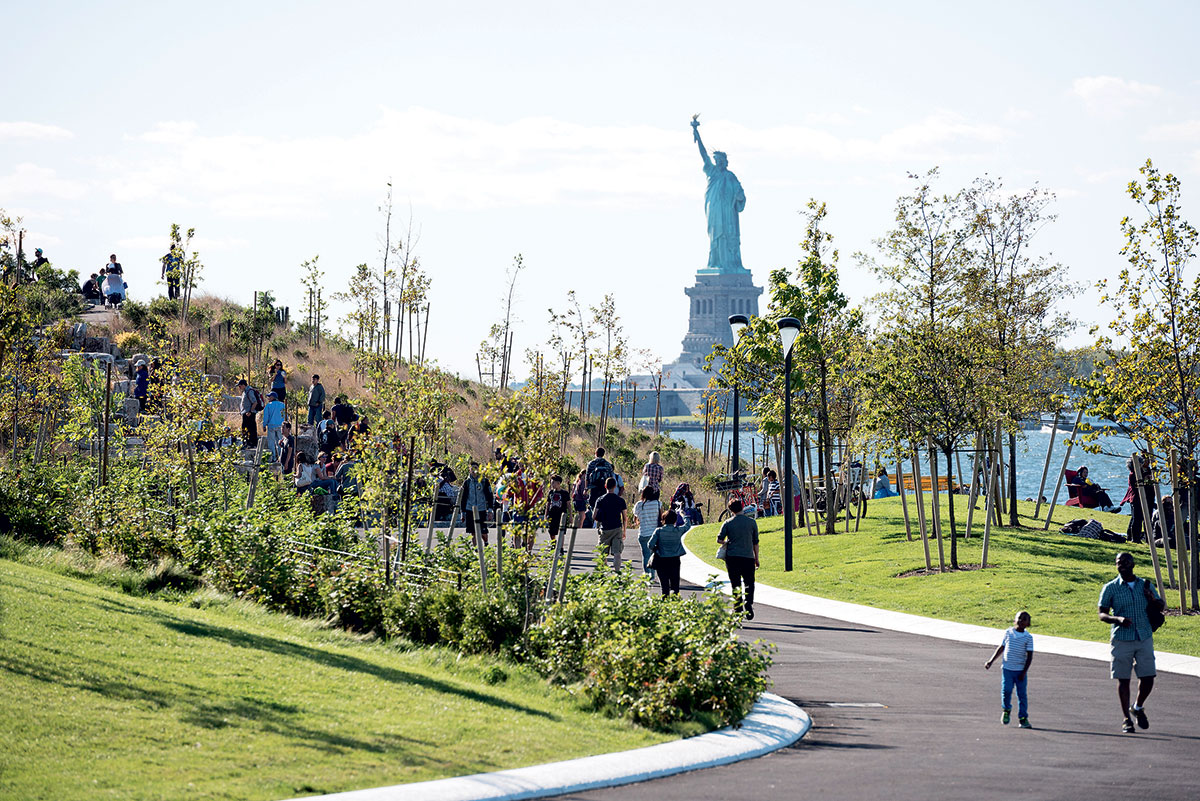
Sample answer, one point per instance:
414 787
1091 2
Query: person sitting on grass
1017 647
1162 517
883 486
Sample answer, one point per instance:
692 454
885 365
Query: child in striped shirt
1017 648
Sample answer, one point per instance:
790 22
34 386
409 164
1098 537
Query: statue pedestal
712 299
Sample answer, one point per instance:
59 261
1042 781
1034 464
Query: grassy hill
109 695
1055 576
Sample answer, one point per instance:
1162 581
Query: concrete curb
697 571
773 723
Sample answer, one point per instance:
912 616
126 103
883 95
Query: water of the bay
1107 471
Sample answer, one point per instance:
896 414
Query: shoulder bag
1154 608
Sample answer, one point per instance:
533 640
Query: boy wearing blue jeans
1017 648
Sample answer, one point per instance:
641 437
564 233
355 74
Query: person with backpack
343 412
599 471
251 403
557 501
316 400
141 385
328 436
1126 604
579 499
474 500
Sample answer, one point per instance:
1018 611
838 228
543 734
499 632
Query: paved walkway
904 716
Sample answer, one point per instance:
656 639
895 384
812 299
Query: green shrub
658 662
491 623
165 308
354 595
32 503
494 674
135 313
426 616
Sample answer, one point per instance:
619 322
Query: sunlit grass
112 696
1055 576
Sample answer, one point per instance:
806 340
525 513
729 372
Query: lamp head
738 323
789 329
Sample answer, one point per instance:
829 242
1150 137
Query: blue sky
560 131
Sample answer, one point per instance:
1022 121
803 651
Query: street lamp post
789 328
738 323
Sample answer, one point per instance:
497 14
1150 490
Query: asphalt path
902 716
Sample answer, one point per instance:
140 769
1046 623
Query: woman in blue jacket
666 543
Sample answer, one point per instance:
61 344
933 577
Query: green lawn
1055 576
112 696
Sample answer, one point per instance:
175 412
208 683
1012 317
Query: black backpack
329 438
601 473
258 400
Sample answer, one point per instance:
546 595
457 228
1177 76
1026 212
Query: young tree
928 373
928 381
1150 386
575 325
1011 295
612 360
189 267
314 305
830 331
925 255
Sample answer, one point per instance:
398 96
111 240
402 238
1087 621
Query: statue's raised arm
696 136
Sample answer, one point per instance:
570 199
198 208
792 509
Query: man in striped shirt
1123 604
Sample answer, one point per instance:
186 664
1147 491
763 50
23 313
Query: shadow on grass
136 687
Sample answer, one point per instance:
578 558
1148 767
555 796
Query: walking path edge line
773 723
697 571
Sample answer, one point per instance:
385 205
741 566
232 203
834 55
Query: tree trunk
1012 481
953 531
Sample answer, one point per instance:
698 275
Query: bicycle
737 487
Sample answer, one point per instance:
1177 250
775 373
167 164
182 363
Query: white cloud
1107 96
825 118
33 130
444 161
30 179
1188 131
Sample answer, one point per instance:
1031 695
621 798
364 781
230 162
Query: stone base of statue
714 297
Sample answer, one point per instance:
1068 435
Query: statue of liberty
723 201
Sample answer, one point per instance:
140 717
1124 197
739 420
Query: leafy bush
165 308
426 616
494 674
130 342
658 662
31 506
492 623
135 313
48 304
354 594
440 614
